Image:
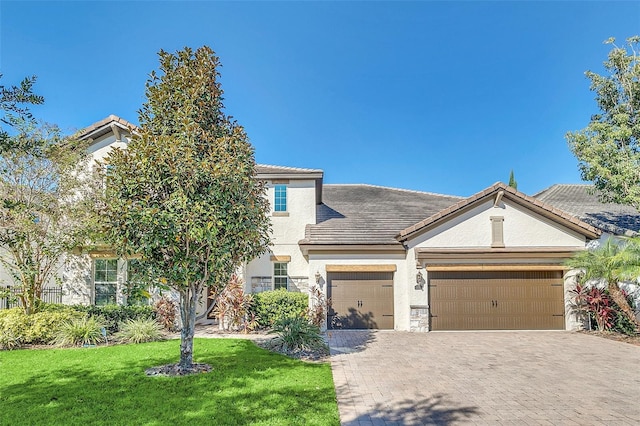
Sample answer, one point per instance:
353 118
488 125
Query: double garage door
360 300
497 300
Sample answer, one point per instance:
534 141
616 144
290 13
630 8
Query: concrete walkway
444 378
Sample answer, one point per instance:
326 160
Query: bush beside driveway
387 377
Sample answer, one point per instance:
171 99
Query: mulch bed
611 335
307 355
171 370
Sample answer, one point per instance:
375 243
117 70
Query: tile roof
269 169
367 214
511 193
103 126
580 201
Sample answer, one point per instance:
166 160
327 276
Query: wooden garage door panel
496 300
361 304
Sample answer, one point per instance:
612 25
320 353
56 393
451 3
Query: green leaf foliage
48 196
183 195
38 328
271 306
112 316
608 265
14 103
79 331
608 149
296 334
512 180
140 331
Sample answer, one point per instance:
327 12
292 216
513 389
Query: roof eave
307 247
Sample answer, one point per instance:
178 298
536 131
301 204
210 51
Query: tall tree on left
47 199
14 104
184 195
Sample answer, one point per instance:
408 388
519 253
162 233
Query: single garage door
500 300
360 300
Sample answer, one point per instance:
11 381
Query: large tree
47 195
608 149
183 195
14 103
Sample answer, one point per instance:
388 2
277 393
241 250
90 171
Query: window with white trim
280 277
280 198
105 281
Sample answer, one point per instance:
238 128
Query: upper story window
280 198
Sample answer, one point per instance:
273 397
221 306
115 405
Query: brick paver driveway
387 377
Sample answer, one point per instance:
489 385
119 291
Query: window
105 280
280 199
280 278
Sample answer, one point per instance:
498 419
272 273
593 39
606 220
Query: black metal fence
49 295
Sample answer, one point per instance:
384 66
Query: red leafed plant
232 307
166 310
595 303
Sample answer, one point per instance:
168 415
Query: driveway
388 377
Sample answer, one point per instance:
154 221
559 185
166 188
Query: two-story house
398 259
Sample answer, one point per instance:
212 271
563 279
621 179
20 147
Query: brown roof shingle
581 201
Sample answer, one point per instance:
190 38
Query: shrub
296 334
318 308
38 328
232 307
13 328
111 316
77 332
165 310
43 326
9 339
596 304
271 306
139 331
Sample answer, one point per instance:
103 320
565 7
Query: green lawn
107 385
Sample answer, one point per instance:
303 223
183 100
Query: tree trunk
188 301
619 298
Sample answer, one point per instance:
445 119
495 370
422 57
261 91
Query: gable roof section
352 215
265 171
580 201
513 195
106 126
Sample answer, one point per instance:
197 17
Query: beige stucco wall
402 284
472 229
102 145
287 231
522 228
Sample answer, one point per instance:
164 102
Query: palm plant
612 263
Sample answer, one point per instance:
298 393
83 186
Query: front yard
108 385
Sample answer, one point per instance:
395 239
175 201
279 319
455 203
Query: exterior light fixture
419 281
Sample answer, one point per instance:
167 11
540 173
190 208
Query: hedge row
41 327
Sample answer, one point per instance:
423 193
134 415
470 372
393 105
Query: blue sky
444 97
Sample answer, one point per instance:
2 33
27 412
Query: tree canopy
512 180
183 195
608 149
14 103
46 207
